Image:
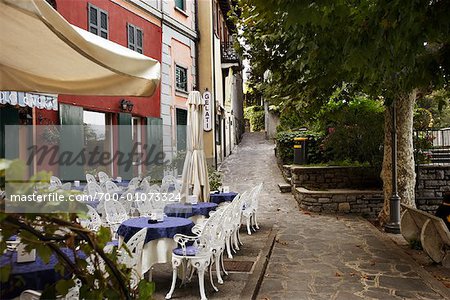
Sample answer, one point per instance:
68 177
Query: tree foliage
384 48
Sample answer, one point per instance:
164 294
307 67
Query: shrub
255 114
285 144
355 129
423 142
215 179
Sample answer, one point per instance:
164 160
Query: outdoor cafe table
195 212
35 275
159 241
222 197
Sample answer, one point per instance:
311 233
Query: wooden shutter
93 19
181 129
103 24
71 142
125 145
131 41
154 142
9 136
139 40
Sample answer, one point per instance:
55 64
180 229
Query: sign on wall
22 99
207 118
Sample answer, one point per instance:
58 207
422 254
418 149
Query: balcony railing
229 54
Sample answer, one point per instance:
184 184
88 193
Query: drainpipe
197 75
214 85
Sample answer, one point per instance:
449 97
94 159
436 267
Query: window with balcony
98 21
135 38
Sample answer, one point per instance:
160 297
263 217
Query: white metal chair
232 224
115 215
133 257
93 222
127 200
145 184
198 255
93 189
250 209
66 186
103 177
90 178
55 181
134 183
110 187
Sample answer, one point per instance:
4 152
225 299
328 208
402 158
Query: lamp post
393 226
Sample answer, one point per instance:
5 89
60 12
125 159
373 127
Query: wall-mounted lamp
126 105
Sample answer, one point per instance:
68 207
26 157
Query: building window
135 38
180 4
98 137
98 21
181 79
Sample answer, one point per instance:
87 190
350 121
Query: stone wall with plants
363 202
432 181
335 177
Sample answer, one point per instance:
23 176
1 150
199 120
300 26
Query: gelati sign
207 119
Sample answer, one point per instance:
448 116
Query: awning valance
41 101
41 52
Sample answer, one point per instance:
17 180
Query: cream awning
41 52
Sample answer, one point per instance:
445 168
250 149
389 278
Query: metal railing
440 137
229 54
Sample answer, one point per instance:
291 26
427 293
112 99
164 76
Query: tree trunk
406 176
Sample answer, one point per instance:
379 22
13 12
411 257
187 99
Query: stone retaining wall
334 177
432 181
364 202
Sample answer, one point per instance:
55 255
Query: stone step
284 187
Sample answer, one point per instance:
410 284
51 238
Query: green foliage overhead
255 114
384 48
438 104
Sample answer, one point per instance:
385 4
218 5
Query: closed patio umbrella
195 171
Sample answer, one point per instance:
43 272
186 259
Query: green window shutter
71 143
131 42
181 129
180 4
125 146
139 40
9 116
154 147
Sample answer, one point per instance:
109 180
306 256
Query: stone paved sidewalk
322 256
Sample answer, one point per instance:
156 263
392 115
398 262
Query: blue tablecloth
187 210
34 275
166 229
222 197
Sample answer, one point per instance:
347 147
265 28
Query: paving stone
346 296
408 284
406 294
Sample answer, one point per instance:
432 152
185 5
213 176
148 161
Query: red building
122 23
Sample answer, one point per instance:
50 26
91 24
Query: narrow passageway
321 256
